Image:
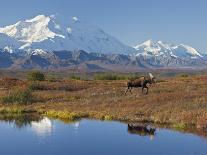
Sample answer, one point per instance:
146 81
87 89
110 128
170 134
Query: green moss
107 76
35 86
73 98
179 126
13 110
75 77
184 75
108 117
36 76
63 115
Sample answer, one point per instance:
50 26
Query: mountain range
46 42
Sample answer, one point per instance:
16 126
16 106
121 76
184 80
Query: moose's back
137 82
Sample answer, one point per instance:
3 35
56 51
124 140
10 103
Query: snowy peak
148 43
44 37
159 54
38 19
185 49
50 33
158 48
32 30
152 48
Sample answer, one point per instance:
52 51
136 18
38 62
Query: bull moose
142 130
140 82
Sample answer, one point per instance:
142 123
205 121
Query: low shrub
36 76
179 126
108 76
18 96
160 80
9 82
11 110
36 86
108 118
63 115
184 75
75 77
64 86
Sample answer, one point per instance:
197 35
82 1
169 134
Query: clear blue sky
131 21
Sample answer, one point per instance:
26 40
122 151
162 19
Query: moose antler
151 76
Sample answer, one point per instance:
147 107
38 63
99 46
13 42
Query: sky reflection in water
89 137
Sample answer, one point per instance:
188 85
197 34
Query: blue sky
131 21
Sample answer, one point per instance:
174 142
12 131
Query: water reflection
20 121
42 127
142 130
45 126
34 134
76 125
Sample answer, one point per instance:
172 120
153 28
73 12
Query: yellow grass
180 102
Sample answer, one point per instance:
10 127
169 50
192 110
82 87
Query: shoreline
178 103
67 117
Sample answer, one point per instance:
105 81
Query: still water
89 137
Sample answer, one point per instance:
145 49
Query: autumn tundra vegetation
176 100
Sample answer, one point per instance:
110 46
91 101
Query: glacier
49 42
49 33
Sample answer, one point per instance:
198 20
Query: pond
45 136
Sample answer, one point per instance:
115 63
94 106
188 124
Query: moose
140 82
142 130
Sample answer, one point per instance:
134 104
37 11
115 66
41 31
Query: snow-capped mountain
49 33
48 42
153 48
158 53
8 44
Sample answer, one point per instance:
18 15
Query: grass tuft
65 115
108 118
107 76
11 110
36 76
179 126
18 96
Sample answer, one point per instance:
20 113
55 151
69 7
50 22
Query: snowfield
51 34
48 42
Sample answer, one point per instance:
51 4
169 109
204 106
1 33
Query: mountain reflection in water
39 125
42 127
20 120
33 134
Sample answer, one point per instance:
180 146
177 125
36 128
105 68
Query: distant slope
47 42
48 33
90 62
167 55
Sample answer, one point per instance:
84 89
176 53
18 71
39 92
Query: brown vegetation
180 102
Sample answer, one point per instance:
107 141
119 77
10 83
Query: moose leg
126 90
131 90
147 90
143 90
